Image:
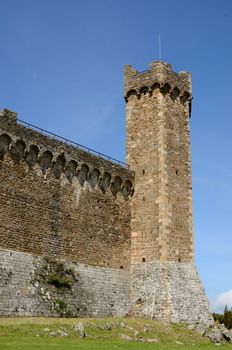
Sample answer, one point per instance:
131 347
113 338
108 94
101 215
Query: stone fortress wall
59 202
82 236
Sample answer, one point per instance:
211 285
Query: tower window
143 259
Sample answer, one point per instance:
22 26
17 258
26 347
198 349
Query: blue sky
61 68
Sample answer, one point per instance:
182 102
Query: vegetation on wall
60 276
60 280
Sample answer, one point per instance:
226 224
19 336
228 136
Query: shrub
60 306
218 317
60 280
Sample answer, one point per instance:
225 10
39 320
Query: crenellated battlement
159 76
54 158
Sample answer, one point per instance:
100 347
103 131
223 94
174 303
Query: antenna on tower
160 53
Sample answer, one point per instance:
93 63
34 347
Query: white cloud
218 304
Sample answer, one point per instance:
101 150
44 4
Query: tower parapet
159 76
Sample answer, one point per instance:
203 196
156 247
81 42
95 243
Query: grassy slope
34 333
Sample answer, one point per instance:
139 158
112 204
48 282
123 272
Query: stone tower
165 284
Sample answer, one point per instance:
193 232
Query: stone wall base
168 291
29 286
39 286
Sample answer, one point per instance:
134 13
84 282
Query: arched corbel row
58 166
155 86
175 93
5 142
185 97
165 89
17 151
116 185
45 161
32 155
70 170
144 90
127 189
82 174
130 93
94 178
104 183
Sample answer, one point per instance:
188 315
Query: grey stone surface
98 291
201 329
214 334
227 334
168 291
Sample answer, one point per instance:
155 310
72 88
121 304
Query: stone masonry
83 236
59 201
165 284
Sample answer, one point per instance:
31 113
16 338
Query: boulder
214 334
201 329
53 334
152 340
80 329
126 337
227 334
62 333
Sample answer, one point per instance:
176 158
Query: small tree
227 317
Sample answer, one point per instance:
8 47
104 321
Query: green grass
101 334
71 344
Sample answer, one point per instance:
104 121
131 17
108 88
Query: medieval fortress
81 235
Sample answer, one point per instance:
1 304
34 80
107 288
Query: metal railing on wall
71 143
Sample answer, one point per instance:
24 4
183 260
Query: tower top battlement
159 75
